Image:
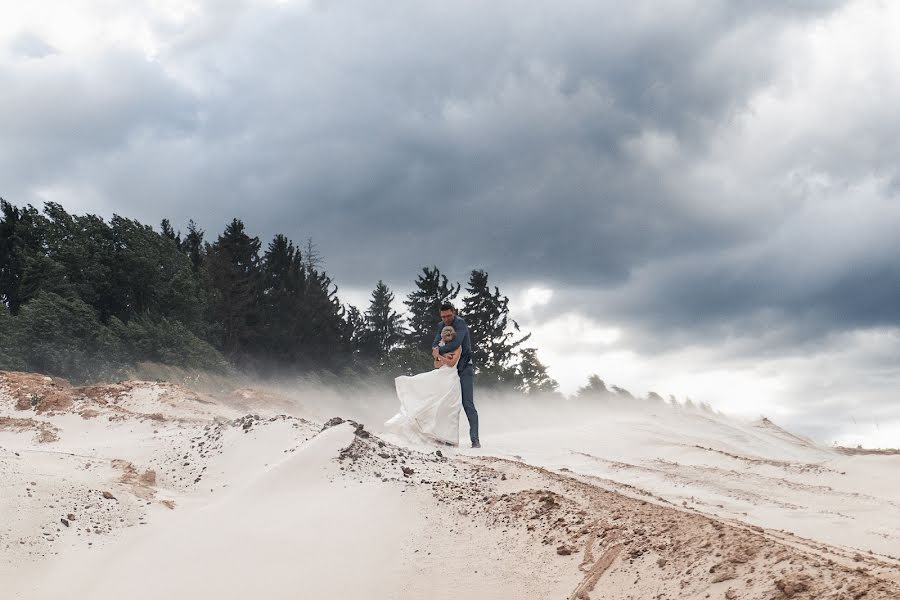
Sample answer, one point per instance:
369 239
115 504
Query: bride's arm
451 358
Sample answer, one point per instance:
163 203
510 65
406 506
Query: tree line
86 299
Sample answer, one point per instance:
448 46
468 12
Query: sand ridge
164 480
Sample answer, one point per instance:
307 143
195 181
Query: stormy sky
697 198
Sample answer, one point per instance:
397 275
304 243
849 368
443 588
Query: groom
464 367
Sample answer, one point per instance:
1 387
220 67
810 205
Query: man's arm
461 332
450 359
437 336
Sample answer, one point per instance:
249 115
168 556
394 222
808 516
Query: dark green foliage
323 333
384 326
494 342
165 341
424 302
22 232
283 294
87 299
532 374
233 264
85 247
9 358
166 229
151 275
192 245
354 332
61 336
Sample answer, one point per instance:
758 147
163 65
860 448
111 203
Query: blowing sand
149 490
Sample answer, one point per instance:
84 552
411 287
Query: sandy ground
149 490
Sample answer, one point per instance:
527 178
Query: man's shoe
476 444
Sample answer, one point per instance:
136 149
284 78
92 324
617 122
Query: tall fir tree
165 228
384 326
531 374
424 302
233 263
323 330
494 334
354 331
192 244
283 287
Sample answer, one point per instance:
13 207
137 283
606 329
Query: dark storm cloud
518 138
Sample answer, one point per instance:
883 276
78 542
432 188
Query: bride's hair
448 331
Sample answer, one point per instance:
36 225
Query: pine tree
384 326
424 303
85 247
235 276
283 286
594 389
192 244
494 339
22 232
166 230
10 359
354 331
323 330
532 374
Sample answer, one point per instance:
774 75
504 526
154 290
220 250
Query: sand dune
148 490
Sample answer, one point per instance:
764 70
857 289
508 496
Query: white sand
752 472
562 502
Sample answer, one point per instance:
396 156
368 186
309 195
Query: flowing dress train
429 406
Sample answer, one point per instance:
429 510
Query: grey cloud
495 136
60 124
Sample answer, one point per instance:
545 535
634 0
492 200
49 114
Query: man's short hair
447 306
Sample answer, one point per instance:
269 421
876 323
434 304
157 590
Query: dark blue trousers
466 382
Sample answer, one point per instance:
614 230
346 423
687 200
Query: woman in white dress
430 402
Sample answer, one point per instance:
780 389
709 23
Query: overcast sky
697 198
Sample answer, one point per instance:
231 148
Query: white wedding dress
429 406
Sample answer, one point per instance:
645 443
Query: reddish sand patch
44 432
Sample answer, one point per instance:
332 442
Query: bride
430 402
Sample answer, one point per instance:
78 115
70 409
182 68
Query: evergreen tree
233 263
594 389
324 326
21 243
151 276
192 245
9 354
424 303
354 332
83 298
532 374
85 248
283 286
622 393
62 336
384 326
167 231
494 339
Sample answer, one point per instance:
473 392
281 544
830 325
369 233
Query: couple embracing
430 402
